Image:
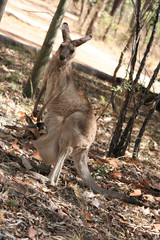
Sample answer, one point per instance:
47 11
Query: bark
96 15
2 7
114 84
120 140
146 7
121 12
117 133
82 10
43 54
115 7
88 13
141 132
125 138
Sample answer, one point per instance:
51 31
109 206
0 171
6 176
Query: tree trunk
115 7
113 149
121 139
82 10
43 54
97 14
125 138
2 7
141 132
121 12
88 12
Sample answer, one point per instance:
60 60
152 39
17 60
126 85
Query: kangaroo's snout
62 57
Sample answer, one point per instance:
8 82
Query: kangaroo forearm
38 100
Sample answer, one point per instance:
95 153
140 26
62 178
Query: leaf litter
30 208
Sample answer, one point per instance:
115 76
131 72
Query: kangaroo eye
72 51
61 46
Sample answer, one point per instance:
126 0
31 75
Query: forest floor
32 209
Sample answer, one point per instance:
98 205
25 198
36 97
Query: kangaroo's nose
62 57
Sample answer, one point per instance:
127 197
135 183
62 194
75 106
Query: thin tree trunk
148 4
2 7
141 132
82 10
125 138
121 119
120 141
114 9
88 12
96 15
121 12
146 35
114 84
43 54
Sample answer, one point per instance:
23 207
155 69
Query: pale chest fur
56 79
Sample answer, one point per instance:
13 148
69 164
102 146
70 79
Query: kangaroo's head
66 50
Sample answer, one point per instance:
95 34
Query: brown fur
70 121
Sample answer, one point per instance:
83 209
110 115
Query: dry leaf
22 119
116 175
149 197
53 207
155 186
145 211
36 155
157 199
15 146
20 113
39 177
26 163
88 194
2 144
2 218
157 226
19 181
1 172
28 146
3 180
22 116
86 215
77 193
62 215
10 112
31 232
136 192
114 162
95 203
4 196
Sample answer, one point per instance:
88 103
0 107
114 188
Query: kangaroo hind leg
55 172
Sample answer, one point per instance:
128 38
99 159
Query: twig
104 109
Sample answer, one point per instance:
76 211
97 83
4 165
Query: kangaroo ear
80 41
65 32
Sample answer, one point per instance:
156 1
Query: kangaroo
70 122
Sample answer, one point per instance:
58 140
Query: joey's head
66 50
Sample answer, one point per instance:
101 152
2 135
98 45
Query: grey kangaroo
69 120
